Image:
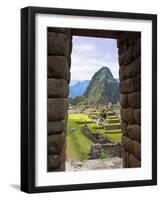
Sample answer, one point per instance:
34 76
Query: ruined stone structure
59 60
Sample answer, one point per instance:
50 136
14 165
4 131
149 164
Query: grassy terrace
78 145
106 124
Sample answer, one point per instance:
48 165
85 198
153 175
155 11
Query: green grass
80 118
95 126
106 124
112 117
78 145
106 131
114 137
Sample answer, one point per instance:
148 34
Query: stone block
130 85
57 109
55 161
133 161
131 53
134 100
55 127
57 88
58 67
56 143
132 69
127 144
134 132
125 158
137 116
58 44
136 150
127 115
123 100
127 86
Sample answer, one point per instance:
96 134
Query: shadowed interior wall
59 61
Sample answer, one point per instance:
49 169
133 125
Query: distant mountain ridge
78 89
103 88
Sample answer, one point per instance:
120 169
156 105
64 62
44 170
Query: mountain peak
103 87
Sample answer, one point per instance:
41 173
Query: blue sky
89 54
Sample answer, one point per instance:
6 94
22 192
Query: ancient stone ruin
59 60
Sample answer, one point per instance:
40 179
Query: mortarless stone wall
59 59
129 45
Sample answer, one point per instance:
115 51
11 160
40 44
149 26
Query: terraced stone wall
58 62
129 45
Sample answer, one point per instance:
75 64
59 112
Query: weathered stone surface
123 100
133 37
56 143
56 127
127 144
131 53
57 88
58 67
124 128
55 161
133 68
134 132
137 116
133 161
130 70
134 99
130 85
136 150
61 168
122 73
57 109
125 158
68 77
58 44
127 86
137 83
59 30
123 36
127 115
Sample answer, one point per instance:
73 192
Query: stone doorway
59 62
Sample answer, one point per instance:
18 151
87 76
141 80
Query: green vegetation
102 88
114 137
103 156
78 145
80 118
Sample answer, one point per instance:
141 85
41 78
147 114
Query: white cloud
89 55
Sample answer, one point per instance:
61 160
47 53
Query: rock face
97 164
103 88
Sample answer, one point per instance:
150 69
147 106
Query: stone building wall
58 62
129 45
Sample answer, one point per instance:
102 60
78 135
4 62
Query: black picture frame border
28 98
